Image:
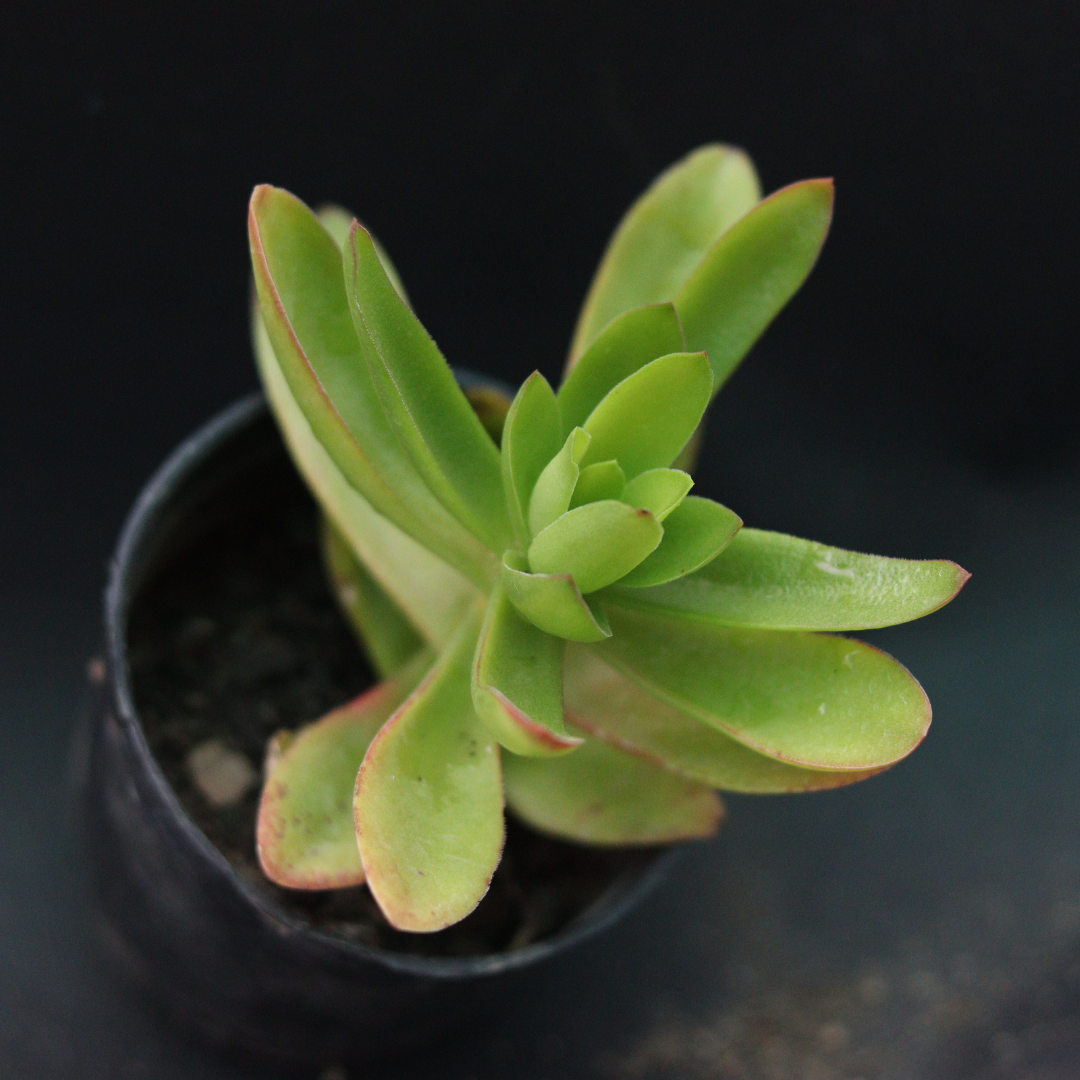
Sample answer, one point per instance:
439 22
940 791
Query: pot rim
138 528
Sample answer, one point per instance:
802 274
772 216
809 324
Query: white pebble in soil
223 776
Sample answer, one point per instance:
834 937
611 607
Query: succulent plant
560 626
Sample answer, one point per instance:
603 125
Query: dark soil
239 637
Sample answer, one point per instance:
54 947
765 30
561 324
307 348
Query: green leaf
337 221
298 277
552 602
517 683
604 480
695 532
431 416
810 699
389 639
648 418
555 486
596 544
610 707
428 801
658 490
430 592
305 833
598 795
627 343
770 581
752 271
531 438
665 233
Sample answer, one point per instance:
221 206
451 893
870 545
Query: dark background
918 397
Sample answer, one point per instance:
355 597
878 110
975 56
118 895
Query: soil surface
240 637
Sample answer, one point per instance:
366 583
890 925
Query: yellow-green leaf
752 271
428 801
809 699
552 602
517 683
596 544
612 708
766 580
598 795
532 436
645 420
305 834
431 416
695 532
664 235
627 343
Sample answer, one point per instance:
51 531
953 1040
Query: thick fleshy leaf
658 490
338 223
772 581
752 271
517 683
665 233
695 532
389 639
649 417
596 544
305 834
604 480
428 800
552 602
627 343
811 699
430 592
598 795
298 273
431 416
531 438
554 488
616 710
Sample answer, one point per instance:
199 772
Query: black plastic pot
207 945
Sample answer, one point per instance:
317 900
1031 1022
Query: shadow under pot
220 631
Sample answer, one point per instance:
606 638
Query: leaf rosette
561 626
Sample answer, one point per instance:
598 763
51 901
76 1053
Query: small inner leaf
649 417
428 800
388 638
816 700
604 480
552 602
531 438
596 544
694 533
610 707
626 344
555 487
305 833
768 580
599 795
658 490
517 683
